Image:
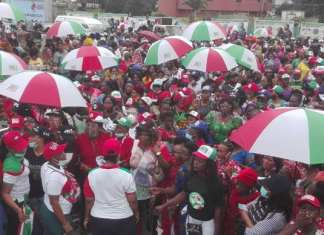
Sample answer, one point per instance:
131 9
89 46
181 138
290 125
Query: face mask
93 134
141 109
62 163
32 145
249 96
260 105
120 135
188 136
19 155
264 192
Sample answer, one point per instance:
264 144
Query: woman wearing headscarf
204 191
272 210
243 192
61 191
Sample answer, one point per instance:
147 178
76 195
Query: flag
26 227
304 69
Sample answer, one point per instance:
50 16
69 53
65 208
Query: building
214 8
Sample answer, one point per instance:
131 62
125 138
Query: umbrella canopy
234 28
262 32
167 49
64 28
11 64
204 30
149 35
11 12
291 133
42 88
89 58
209 60
320 61
243 56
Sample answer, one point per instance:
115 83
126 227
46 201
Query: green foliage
157 13
283 7
136 7
195 5
313 8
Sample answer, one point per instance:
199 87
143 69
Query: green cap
312 85
124 122
278 89
181 117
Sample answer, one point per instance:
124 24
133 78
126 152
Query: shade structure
243 56
234 28
291 133
263 32
90 58
11 64
149 35
209 60
204 30
65 28
10 11
167 49
42 88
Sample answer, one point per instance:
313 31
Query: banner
313 30
34 11
229 22
274 25
106 17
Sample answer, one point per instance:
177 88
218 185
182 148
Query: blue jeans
35 204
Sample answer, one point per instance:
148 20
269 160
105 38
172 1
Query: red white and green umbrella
243 56
90 58
204 30
167 49
320 61
26 227
9 11
209 60
262 32
234 28
35 87
291 133
64 28
11 64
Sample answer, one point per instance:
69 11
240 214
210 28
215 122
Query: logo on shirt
196 200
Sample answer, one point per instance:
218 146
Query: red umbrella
149 35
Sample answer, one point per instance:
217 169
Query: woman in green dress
223 120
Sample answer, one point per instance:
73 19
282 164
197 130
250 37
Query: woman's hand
22 217
228 171
152 201
86 222
68 229
156 149
155 191
158 210
85 168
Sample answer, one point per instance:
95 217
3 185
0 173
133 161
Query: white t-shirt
132 132
197 87
109 186
53 181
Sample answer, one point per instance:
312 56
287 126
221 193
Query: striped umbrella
89 58
263 32
11 64
291 133
167 49
42 88
243 56
204 30
234 28
209 60
64 28
320 61
11 12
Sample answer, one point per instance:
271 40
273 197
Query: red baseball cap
51 149
185 78
252 87
312 60
111 147
281 70
311 199
297 71
130 102
16 121
145 115
194 114
15 141
96 117
178 96
248 177
186 91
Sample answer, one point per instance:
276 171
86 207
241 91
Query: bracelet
66 225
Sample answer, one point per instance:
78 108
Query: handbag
194 229
159 174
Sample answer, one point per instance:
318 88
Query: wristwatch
158 154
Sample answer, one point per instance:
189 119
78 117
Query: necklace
224 119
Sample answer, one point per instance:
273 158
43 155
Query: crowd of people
150 154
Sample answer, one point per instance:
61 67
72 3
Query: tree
313 8
195 5
283 7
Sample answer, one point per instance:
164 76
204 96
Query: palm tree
196 5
